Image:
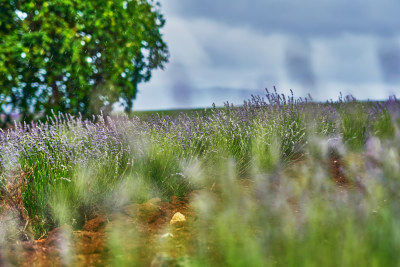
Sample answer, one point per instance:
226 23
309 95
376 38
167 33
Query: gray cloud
181 85
220 50
389 59
307 17
298 63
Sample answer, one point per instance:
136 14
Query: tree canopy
77 55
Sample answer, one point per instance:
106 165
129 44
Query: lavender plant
291 154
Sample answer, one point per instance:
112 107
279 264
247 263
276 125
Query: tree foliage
77 55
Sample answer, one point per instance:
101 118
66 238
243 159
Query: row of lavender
267 131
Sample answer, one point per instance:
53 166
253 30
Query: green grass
266 187
169 112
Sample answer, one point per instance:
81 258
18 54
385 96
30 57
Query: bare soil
89 246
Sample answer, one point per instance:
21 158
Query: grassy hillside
279 181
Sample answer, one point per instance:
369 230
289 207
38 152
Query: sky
227 50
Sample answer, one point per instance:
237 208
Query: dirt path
142 230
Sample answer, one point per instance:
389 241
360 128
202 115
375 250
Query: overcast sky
226 50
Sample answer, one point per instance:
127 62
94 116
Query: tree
77 55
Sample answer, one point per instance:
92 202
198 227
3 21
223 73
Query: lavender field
278 181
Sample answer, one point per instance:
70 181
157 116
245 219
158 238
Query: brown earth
89 246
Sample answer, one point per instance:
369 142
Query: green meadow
277 181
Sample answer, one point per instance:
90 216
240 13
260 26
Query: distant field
171 112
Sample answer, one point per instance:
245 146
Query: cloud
299 64
225 51
236 47
389 59
345 59
213 54
181 85
183 42
307 17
